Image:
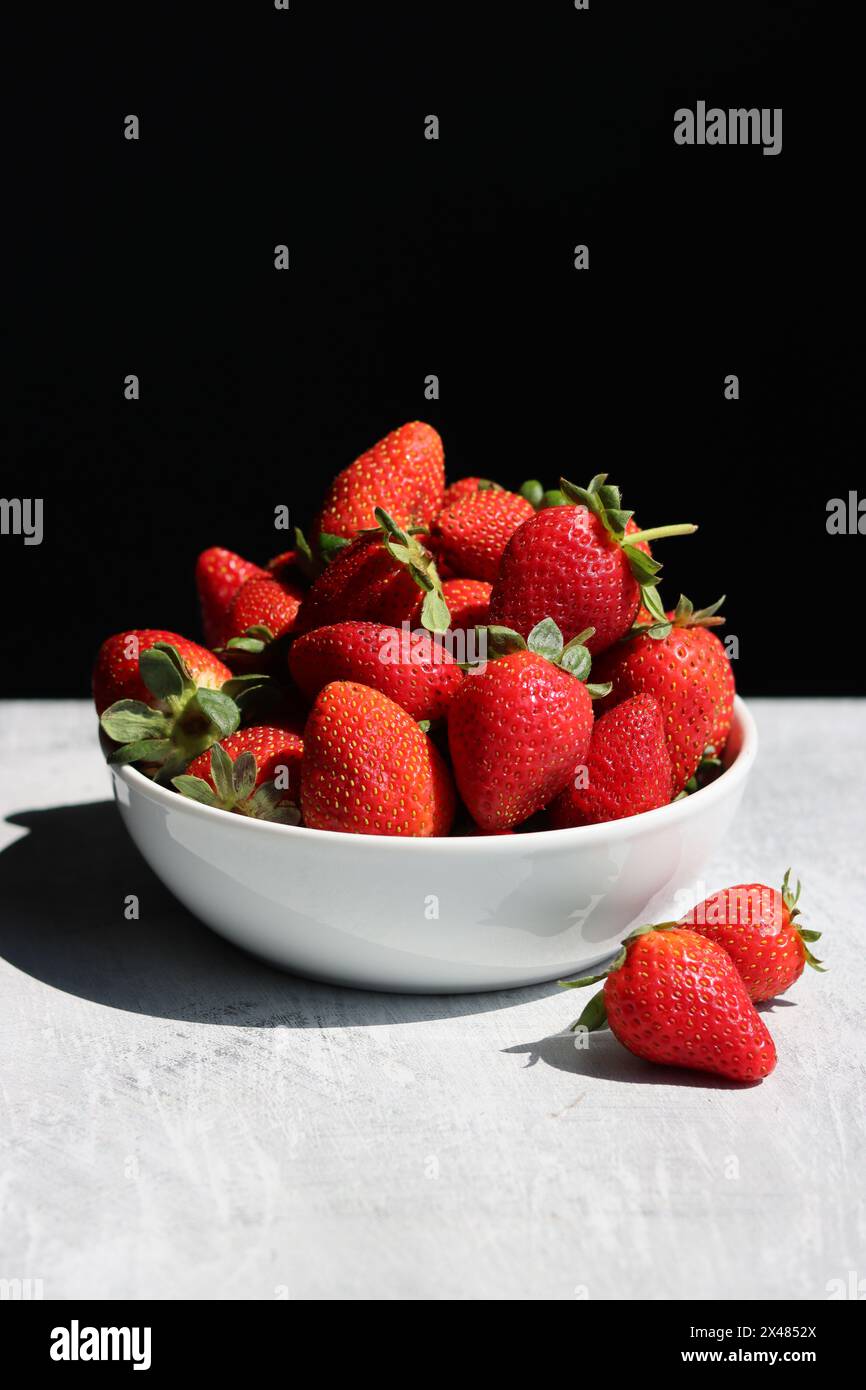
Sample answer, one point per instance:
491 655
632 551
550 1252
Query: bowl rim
577 835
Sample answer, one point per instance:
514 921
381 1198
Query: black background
411 257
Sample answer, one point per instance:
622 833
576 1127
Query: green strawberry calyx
545 640
594 1015
685 615
605 502
406 549
234 789
791 898
184 720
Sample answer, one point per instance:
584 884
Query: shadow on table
604 1059
63 890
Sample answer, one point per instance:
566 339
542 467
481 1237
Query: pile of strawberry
422 666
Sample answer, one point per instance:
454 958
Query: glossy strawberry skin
362 583
471 532
264 602
627 768
404 473
562 564
369 770
752 923
689 674
219 573
116 674
679 1001
272 747
410 667
517 730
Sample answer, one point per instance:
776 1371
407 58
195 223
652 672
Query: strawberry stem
657 533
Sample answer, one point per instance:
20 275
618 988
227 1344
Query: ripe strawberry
471 532
463 487
757 927
404 473
369 769
255 772
519 727
468 603
218 576
376 578
676 998
627 768
585 565
117 676
162 698
263 604
411 668
686 668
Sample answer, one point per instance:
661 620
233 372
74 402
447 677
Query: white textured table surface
177 1120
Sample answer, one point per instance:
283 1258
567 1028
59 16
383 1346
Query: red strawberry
116 674
411 668
627 768
519 727
757 927
404 473
468 603
376 578
262 603
369 769
686 668
255 772
676 998
584 566
162 698
463 487
471 532
218 575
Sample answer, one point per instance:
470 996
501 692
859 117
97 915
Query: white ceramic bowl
432 916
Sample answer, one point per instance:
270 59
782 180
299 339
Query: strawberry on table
686 668
219 574
471 531
162 698
758 928
376 578
255 772
410 667
584 565
404 474
627 769
676 998
370 770
519 727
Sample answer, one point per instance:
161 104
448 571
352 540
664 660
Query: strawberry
463 487
162 698
265 606
468 603
409 667
627 768
218 576
255 772
671 996
519 727
376 578
585 565
369 769
404 473
471 532
686 668
757 926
